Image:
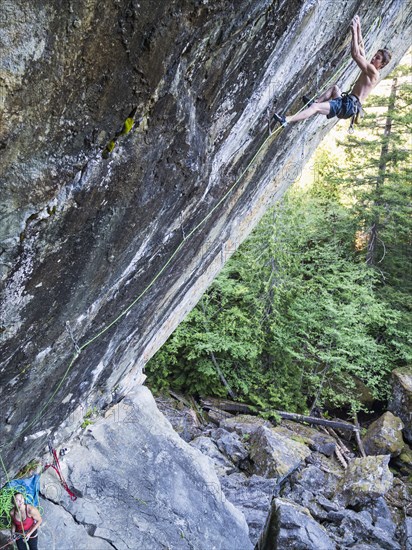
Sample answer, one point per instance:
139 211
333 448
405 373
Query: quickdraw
56 467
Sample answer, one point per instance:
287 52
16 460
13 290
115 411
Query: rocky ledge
138 485
302 488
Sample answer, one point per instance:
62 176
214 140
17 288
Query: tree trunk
214 361
380 180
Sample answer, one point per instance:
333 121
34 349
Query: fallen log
226 405
358 437
335 424
232 406
189 404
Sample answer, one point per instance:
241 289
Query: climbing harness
358 111
56 467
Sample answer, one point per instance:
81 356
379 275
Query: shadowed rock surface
109 233
83 237
401 402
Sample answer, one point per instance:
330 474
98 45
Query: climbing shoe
307 101
281 119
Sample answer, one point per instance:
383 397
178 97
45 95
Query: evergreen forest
314 310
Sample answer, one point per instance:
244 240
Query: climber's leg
321 108
321 105
330 93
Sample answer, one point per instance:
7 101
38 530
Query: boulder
275 455
316 440
384 436
230 444
357 528
405 459
290 525
252 495
308 500
408 533
244 424
401 402
182 417
365 479
381 515
207 447
320 480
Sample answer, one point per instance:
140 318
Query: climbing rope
6 504
80 348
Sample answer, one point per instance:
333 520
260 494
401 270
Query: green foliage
128 125
88 417
29 469
298 317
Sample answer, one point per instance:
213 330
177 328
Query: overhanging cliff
102 257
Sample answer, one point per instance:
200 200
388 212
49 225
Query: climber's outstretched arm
357 52
359 36
360 41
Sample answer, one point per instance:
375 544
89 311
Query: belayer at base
345 105
26 519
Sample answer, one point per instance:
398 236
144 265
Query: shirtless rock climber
335 103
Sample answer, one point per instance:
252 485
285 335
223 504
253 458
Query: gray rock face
244 424
122 247
349 506
142 487
358 528
401 402
61 530
183 418
408 533
253 496
206 446
320 480
317 441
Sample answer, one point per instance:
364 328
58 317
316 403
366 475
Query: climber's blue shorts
344 106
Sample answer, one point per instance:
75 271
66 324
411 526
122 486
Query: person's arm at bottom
35 514
12 527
